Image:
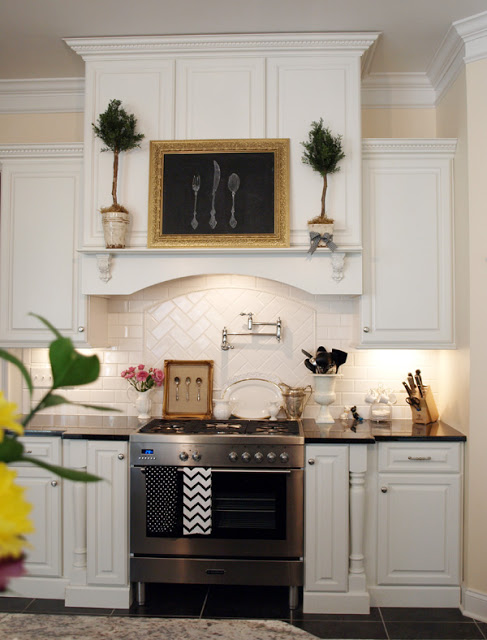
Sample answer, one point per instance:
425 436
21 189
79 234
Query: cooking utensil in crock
339 357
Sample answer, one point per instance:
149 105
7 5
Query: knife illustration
216 182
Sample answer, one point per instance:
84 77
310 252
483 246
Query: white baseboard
99 597
474 604
414 596
27 587
357 602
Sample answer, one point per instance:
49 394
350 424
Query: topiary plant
323 152
116 129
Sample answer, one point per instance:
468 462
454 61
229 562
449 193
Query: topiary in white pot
117 130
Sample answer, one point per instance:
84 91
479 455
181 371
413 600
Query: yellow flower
14 511
9 417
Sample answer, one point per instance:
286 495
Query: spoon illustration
176 382
198 384
196 187
188 382
233 185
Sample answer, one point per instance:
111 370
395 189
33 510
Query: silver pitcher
295 399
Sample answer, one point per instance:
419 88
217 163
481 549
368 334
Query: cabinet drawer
45 449
423 457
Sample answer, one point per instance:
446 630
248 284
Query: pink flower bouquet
143 380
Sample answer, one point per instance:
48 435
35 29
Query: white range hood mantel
123 272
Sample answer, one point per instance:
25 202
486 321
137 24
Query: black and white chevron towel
196 501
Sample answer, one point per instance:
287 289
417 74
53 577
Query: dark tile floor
201 601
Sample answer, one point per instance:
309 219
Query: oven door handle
287 471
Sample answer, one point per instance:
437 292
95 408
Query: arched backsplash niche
184 318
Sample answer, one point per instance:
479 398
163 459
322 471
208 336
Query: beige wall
41 128
398 123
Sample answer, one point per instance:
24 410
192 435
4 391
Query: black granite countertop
101 427
84 427
366 432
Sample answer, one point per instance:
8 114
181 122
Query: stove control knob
233 456
258 457
183 456
246 456
284 457
196 456
271 456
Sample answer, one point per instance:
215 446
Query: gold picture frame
219 193
188 400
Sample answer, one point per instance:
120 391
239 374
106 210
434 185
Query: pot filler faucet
250 325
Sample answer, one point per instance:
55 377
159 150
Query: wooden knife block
427 408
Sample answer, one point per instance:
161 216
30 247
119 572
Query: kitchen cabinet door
107 513
44 493
326 518
407 236
419 520
40 208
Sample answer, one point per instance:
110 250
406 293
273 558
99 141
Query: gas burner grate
221 427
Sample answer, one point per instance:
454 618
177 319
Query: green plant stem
37 408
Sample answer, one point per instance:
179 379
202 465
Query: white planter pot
324 395
142 401
115 225
321 229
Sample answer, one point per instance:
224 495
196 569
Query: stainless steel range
217 502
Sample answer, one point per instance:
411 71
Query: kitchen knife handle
407 389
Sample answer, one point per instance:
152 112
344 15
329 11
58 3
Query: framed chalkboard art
219 193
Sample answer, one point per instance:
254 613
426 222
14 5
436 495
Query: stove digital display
147 452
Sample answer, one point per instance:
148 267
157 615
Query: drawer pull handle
421 458
53 483
28 452
121 456
383 489
311 461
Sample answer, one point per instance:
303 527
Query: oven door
255 513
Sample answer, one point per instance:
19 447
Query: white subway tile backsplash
184 319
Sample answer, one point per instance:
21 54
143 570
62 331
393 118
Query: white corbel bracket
337 265
104 264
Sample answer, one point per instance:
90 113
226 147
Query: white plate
250 398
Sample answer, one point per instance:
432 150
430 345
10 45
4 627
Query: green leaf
11 449
5 355
48 324
52 400
70 368
62 472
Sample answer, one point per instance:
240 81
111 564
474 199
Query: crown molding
446 64
432 146
42 95
473 32
355 43
397 90
34 151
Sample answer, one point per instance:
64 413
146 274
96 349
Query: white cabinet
407 239
326 518
44 493
419 516
40 209
107 513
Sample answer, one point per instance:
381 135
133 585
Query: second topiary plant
117 130
323 152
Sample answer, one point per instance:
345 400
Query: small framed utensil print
219 193
188 389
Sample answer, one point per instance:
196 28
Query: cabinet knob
121 456
366 329
311 461
53 483
383 489
81 329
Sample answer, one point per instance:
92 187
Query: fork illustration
196 187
